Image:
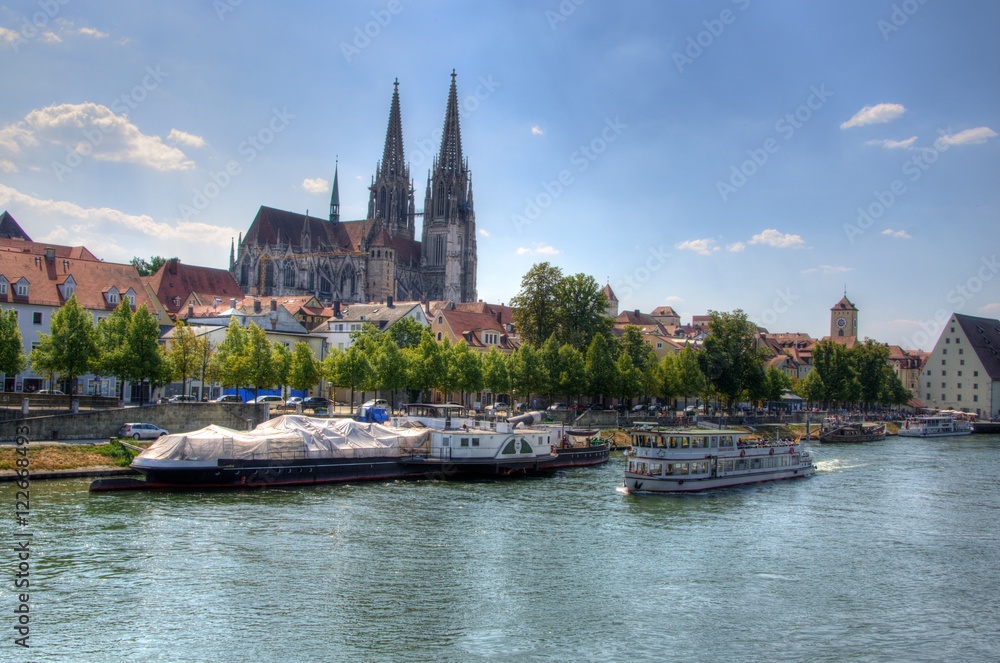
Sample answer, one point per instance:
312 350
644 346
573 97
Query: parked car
228 398
558 407
141 431
293 401
267 398
375 402
52 392
183 398
691 409
639 408
315 402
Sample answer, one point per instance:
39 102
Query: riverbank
62 460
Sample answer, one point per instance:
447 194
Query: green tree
205 352
185 359
668 378
355 370
581 310
730 359
628 378
42 358
229 363
281 359
303 369
777 383
74 341
602 372
894 391
147 360
260 368
572 378
428 369
391 367
405 332
148 267
870 360
691 379
551 360
467 368
527 372
12 359
810 387
833 363
534 307
496 377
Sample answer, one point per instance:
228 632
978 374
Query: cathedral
377 258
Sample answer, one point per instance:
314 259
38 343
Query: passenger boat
945 425
854 432
682 461
463 446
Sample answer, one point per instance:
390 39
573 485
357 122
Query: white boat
681 461
939 425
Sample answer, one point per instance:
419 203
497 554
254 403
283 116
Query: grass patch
68 456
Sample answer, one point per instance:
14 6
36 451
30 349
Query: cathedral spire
335 196
451 138
392 156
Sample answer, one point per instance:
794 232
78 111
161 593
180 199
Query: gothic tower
391 199
448 249
335 197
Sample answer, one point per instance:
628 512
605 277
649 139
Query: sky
718 155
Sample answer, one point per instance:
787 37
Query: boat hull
918 433
650 484
582 456
257 474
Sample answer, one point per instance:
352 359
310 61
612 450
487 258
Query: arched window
439 210
289 274
244 274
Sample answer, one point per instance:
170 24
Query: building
844 319
286 254
37 278
667 316
349 318
963 370
612 310
178 286
482 326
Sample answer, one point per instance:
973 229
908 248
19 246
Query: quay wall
104 424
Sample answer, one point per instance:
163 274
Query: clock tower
844 319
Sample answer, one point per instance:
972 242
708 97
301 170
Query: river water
889 553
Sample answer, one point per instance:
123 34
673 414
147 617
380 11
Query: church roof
273 226
10 229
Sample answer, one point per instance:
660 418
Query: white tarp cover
289 436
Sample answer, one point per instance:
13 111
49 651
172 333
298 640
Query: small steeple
335 196
392 155
232 253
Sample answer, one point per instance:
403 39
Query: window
959 385
960 397
113 297
961 362
944 373
975 385
36 317
975 374
975 398
928 385
439 336
947 340
22 289
289 275
944 351
961 351
944 385
3 286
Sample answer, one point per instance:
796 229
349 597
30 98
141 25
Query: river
889 553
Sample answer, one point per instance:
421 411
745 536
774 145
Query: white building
963 371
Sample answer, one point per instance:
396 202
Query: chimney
388 301
172 266
232 303
499 316
274 304
336 309
637 313
256 306
50 254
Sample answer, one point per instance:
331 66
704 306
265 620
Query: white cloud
103 222
315 185
672 299
899 234
93 131
92 32
184 138
51 38
772 237
894 144
702 247
536 130
483 233
8 166
968 137
877 114
736 247
540 249
990 309
827 269
8 36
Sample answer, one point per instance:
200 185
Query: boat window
682 468
674 442
661 441
475 441
713 441
685 442
698 442
670 468
656 469
465 441
446 441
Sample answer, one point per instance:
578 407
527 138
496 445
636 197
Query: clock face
841 322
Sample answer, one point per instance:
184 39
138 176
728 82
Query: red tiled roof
175 282
93 278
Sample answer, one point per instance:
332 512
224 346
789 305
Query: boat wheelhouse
854 432
681 461
935 426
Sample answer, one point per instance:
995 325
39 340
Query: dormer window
130 294
113 297
68 287
22 287
3 286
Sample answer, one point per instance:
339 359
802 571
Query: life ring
772 451
743 453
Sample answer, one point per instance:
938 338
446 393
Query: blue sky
703 155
